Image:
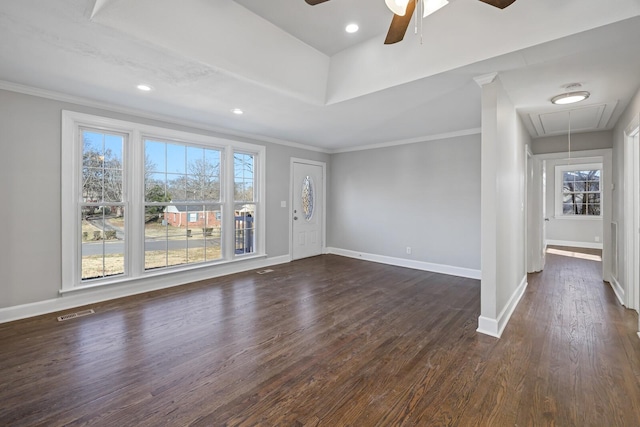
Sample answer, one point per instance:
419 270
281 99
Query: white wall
30 189
504 139
423 195
579 142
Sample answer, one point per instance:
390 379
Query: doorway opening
573 201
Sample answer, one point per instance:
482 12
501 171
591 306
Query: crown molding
485 79
426 138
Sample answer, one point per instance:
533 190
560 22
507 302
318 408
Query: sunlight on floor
574 254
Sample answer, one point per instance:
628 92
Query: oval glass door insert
307 198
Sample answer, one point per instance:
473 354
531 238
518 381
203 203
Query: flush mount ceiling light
571 96
144 87
352 28
237 111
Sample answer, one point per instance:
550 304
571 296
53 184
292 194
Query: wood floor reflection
331 341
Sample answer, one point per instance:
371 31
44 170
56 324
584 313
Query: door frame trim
604 155
526 205
631 153
323 224
534 213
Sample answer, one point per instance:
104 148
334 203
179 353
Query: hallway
570 354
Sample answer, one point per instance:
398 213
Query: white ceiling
300 78
323 26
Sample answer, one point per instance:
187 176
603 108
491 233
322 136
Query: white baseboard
488 326
408 263
495 327
105 293
618 290
586 245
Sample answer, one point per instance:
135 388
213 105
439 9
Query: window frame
559 190
101 203
134 196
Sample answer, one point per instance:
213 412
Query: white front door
307 209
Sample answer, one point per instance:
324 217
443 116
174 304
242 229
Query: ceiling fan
403 11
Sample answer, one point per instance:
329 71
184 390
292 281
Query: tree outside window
581 193
139 199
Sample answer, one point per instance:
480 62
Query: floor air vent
268 270
75 315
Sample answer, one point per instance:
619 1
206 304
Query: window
245 208
143 200
182 183
578 190
307 198
102 208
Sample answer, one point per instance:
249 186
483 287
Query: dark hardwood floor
331 341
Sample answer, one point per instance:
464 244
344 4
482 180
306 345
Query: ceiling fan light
431 6
399 7
570 97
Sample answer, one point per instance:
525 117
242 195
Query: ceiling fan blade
399 24
501 4
315 2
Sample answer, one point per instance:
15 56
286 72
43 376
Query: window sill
578 217
121 280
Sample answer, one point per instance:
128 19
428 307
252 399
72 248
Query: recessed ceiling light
352 28
144 87
570 97
237 111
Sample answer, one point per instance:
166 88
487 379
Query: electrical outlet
283 204
408 250
597 238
